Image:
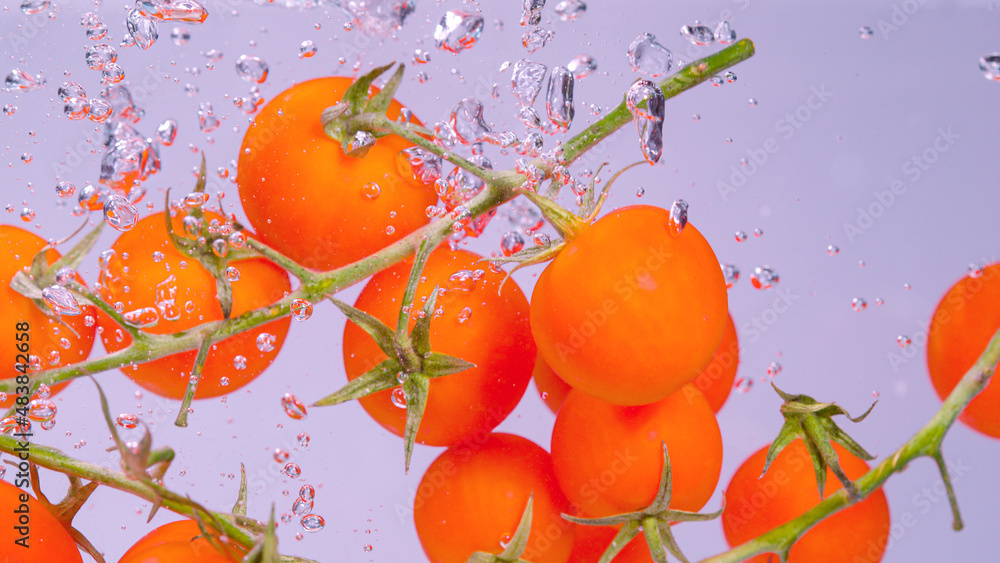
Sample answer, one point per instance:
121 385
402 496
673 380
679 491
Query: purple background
888 98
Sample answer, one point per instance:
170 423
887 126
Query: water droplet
990 65
399 397
368 547
724 33
307 49
467 121
647 56
903 341
112 73
678 217
730 273
224 381
526 80
266 342
142 318
464 315
34 6
531 11
859 304
419 164
18 80
511 243
646 102
61 301
76 108
233 273
119 214
535 39
773 369
866 32
313 523
559 98
280 455
743 384
832 250
9 109
71 90
307 493
127 420
303 439
292 470
239 362
461 280
301 309
730 77
142 29
763 277
302 506
569 10
740 236
975 270
43 392
65 189
758 232
251 68
293 407
421 57
188 11
180 36
166 132
582 66
41 410
100 110
698 34
458 31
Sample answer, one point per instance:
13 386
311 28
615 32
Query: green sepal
240 507
415 388
380 333
45 274
437 365
517 544
356 95
379 378
266 548
380 102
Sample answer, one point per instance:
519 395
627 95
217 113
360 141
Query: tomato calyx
68 508
344 121
654 522
812 421
518 542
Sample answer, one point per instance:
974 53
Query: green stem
925 443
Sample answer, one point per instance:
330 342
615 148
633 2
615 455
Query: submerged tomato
472 497
756 504
46 539
181 542
551 388
964 322
629 312
716 380
48 340
609 458
310 201
176 292
476 323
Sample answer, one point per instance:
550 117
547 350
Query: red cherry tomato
472 497
476 324
609 457
756 504
590 543
45 537
551 388
44 338
149 273
716 380
962 325
181 542
629 312
307 199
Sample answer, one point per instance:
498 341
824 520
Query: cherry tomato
962 325
46 539
181 542
609 458
629 312
25 325
476 324
590 543
177 293
472 497
756 504
310 201
551 388
716 380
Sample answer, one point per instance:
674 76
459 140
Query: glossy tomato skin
47 539
608 458
628 312
551 388
590 543
962 325
180 542
716 381
786 491
45 336
179 287
495 337
472 497
305 198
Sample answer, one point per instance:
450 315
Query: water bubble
142 29
34 6
9 109
61 301
303 439
467 121
832 250
206 118
582 66
312 523
280 455
773 369
65 189
730 77
458 31
990 65
526 80
71 90
698 34
188 11
180 36
119 214
112 73
464 315
730 273
859 304
647 56
18 80
293 406
166 132
511 243
374 17
307 49
266 342
100 110
743 384
301 506
252 68
307 493
559 98
462 280
763 277
420 164
368 547
531 11
196 199
41 410
758 232
398 397
903 341
975 270
224 381
127 420
65 275
569 10
142 318
301 309
239 362
535 39
724 33
678 217
740 236
292 470
866 32
646 102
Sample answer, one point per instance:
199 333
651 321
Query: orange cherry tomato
551 388
756 504
476 324
307 199
472 497
149 274
609 458
24 519
716 380
629 312
46 338
962 325
181 542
